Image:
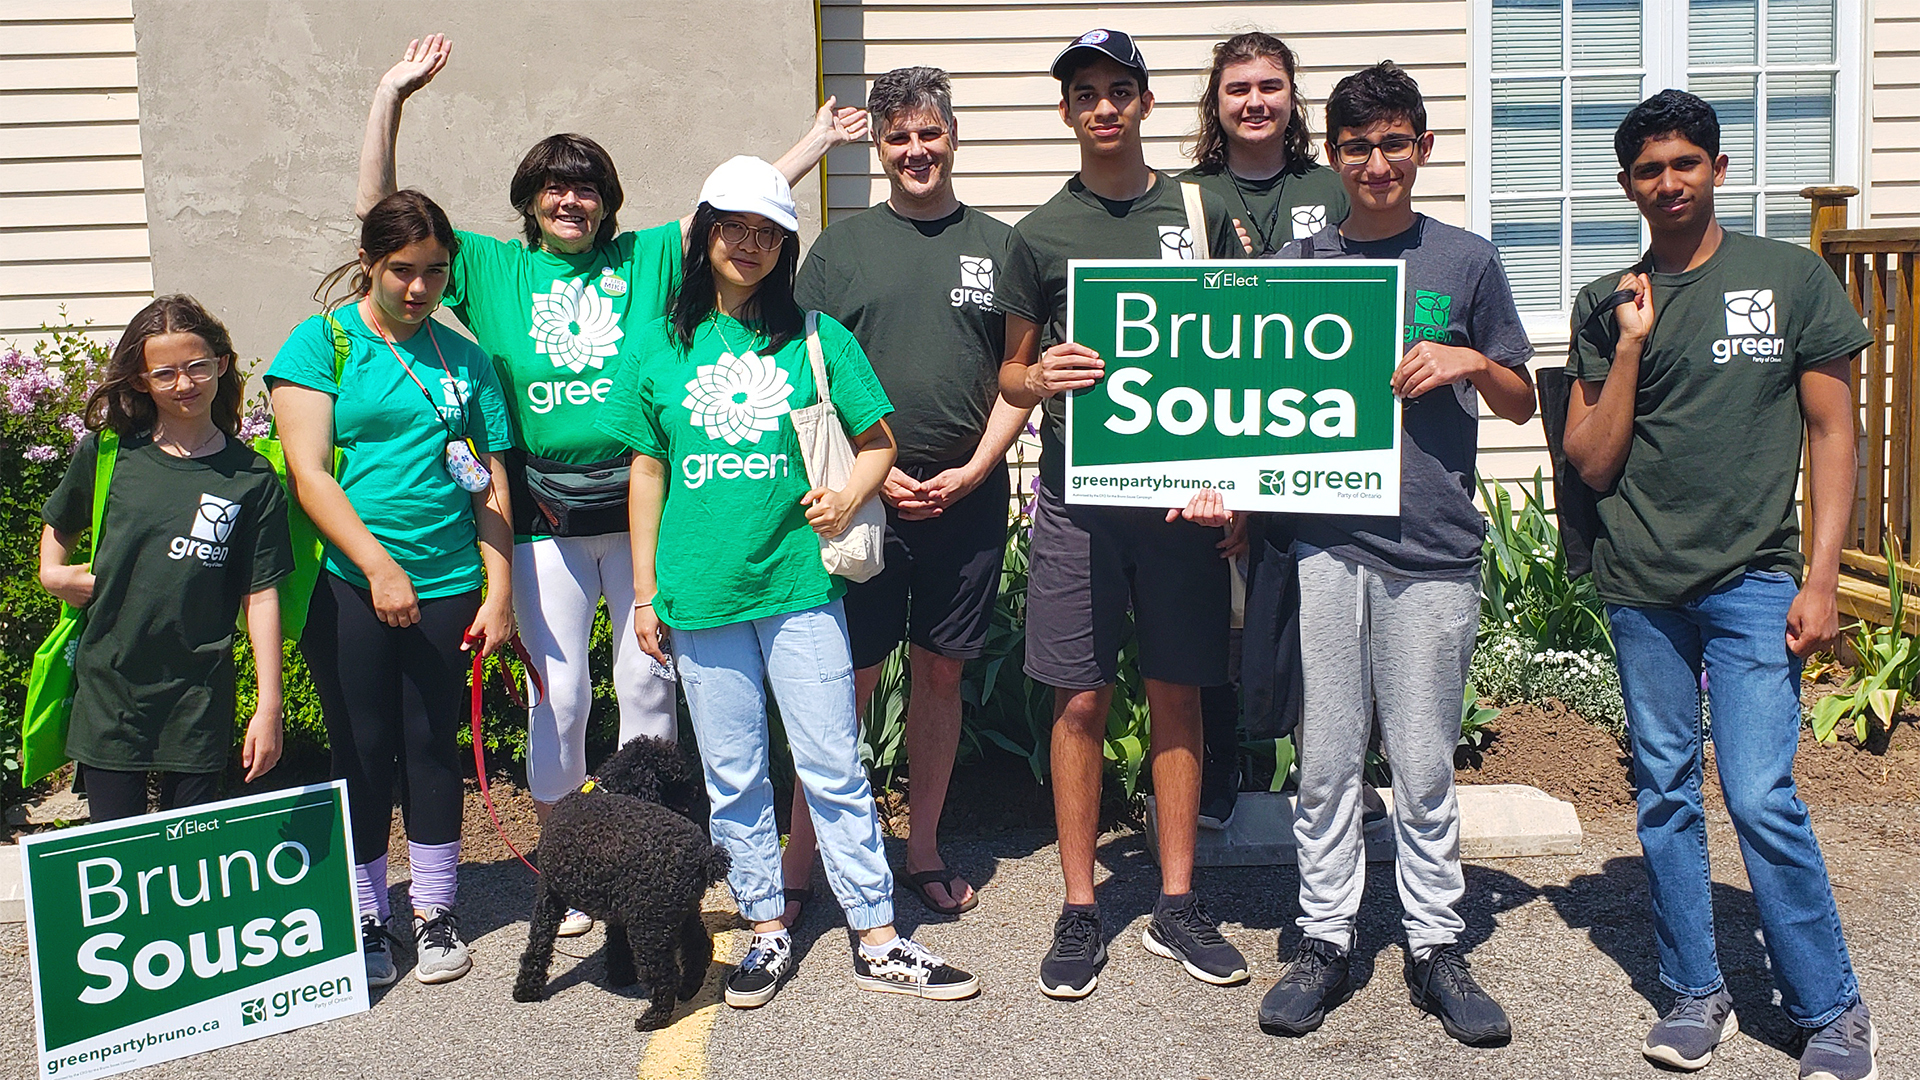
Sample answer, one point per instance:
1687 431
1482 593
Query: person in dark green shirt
554 310
1254 151
913 278
1704 369
194 533
1091 564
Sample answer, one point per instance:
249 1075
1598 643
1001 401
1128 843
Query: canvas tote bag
856 554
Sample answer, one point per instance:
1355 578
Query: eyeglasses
766 237
198 371
1360 151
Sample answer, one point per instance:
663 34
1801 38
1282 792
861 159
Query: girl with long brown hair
394 429
194 533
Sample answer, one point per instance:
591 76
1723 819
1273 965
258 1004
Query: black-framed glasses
198 371
766 237
1360 151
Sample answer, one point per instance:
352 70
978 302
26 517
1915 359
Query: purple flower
74 424
255 424
40 453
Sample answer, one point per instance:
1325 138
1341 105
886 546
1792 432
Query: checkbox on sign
173 830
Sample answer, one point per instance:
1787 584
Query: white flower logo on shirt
575 325
738 398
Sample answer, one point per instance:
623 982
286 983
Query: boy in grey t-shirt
1389 607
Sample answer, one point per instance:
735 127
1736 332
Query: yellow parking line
679 1051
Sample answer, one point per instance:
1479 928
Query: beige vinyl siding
73 212
1894 130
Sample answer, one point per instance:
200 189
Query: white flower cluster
1508 668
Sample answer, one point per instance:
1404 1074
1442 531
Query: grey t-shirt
1456 294
918 295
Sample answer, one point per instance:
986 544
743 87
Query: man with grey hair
913 279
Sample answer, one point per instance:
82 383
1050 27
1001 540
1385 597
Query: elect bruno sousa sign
166 935
1265 380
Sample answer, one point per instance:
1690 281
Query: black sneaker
912 968
1188 934
1441 985
1219 791
767 964
1315 981
378 948
1686 1036
1071 969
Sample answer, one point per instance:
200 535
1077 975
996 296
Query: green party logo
1432 312
1273 481
254 1012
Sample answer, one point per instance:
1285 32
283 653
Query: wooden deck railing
1881 271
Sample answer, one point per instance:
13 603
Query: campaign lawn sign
1266 380
175 933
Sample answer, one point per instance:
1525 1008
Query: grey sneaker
1687 1035
379 951
1844 1049
440 955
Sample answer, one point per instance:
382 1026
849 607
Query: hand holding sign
1066 366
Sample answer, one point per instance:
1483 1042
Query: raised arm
832 126
423 60
1600 416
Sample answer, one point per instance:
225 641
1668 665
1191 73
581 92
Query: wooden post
1829 212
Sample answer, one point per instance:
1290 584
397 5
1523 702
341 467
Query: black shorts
1092 564
941 580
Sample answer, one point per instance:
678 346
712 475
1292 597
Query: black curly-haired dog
629 849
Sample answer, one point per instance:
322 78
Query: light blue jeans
804 656
1737 634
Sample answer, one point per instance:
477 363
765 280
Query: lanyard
454 383
1265 236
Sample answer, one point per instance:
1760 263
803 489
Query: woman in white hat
726 554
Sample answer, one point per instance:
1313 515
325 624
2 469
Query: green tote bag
43 733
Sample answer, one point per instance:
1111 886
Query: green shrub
1509 668
1523 576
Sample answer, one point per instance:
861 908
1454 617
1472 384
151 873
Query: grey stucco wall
251 113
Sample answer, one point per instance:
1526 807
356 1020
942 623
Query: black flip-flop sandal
945 879
797 896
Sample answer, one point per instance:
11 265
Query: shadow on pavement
1613 908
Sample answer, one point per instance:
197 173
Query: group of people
619 430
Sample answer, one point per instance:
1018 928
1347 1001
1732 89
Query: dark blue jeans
1737 634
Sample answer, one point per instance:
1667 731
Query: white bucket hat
748 185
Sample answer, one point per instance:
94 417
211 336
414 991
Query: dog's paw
524 992
652 1020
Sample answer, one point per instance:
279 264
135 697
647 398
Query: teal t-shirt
734 540
393 441
555 325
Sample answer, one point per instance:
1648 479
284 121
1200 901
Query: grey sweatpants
1372 638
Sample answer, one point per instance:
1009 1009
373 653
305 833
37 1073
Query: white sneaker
575 923
440 955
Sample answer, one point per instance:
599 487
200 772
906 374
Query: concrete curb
1497 821
13 892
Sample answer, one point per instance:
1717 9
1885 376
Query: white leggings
557 585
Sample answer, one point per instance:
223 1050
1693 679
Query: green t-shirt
1077 224
919 297
1707 492
393 441
1292 204
734 540
183 542
555 323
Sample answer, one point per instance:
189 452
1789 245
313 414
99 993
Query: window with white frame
1555 77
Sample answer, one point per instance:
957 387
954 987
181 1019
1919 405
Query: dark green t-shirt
1077 224
734 543
919 297
1707 492
184 540
1292 204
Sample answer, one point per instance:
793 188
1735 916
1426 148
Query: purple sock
435 869
370 882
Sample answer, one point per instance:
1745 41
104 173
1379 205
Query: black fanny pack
561 499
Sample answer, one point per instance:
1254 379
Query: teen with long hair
552 309
195 532
726 552
417 565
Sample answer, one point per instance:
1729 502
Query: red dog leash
479 745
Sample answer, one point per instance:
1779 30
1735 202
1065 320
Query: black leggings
394 699
112 794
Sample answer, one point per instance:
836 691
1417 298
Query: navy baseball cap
1115 45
